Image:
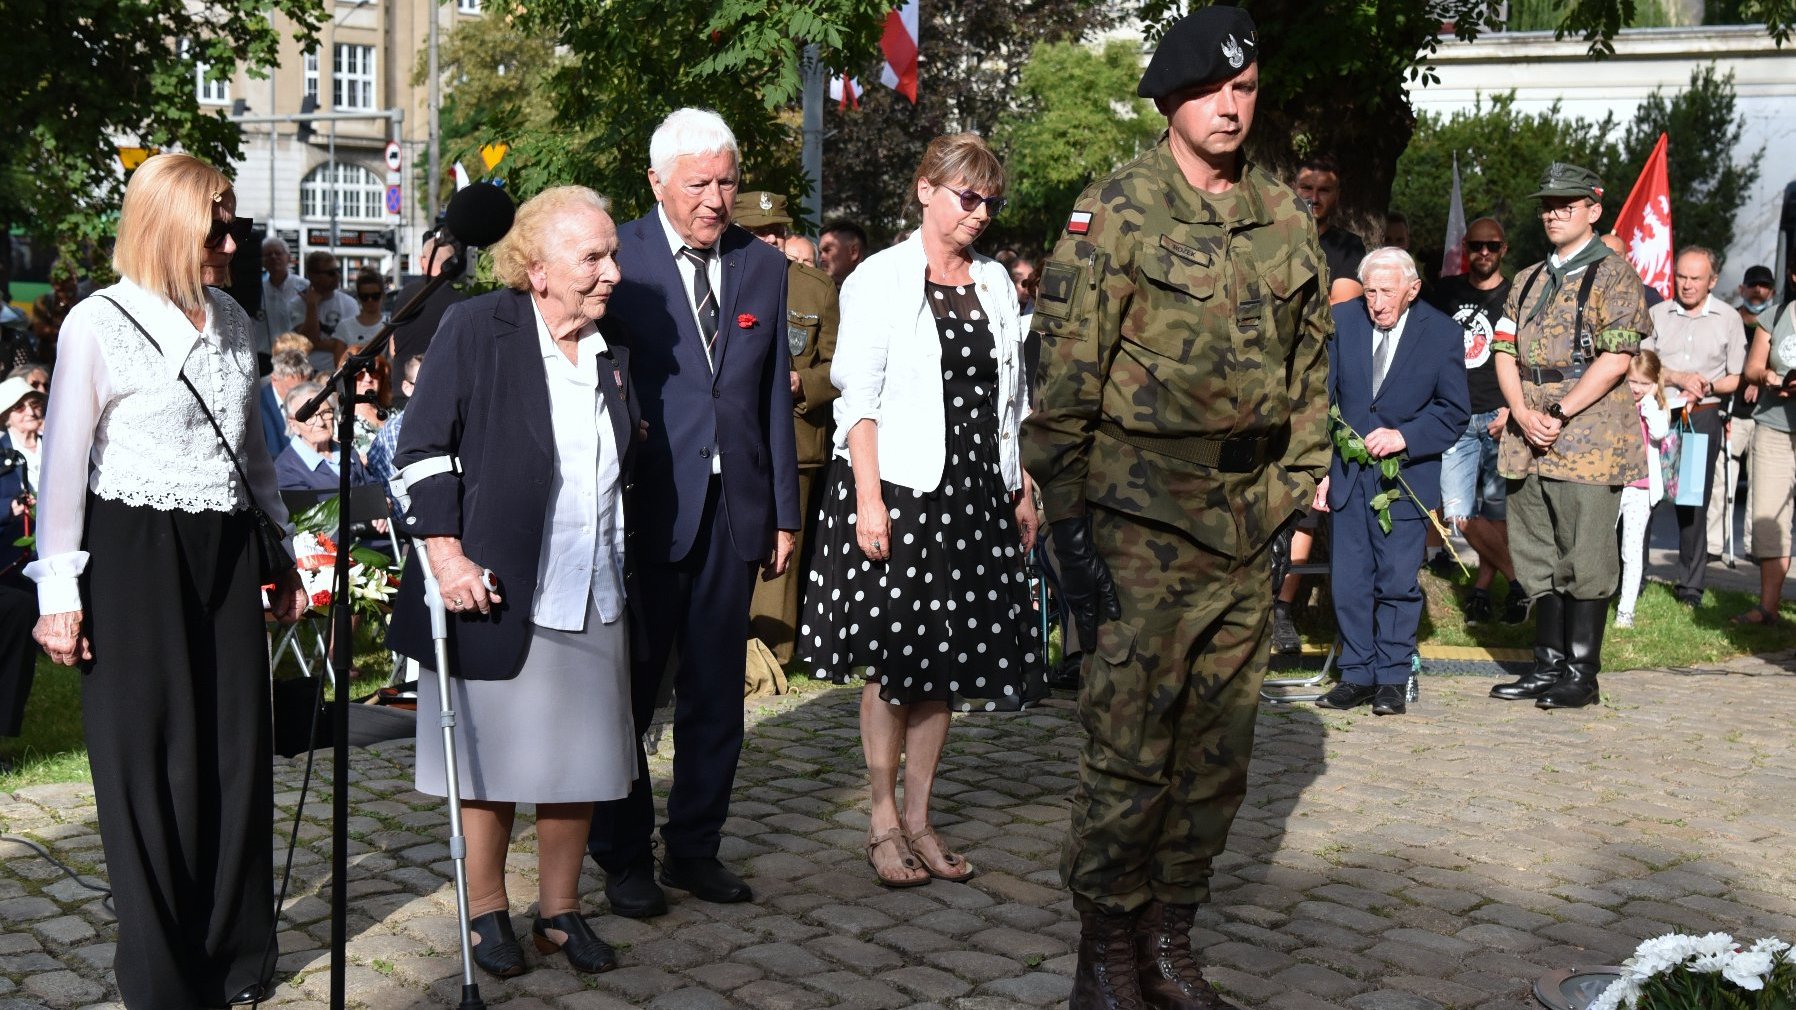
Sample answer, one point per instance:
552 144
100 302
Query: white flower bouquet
1712 972
371 580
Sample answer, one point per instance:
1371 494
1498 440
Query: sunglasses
1483 247
215 235
970 201
368 296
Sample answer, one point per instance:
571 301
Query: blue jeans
1470 483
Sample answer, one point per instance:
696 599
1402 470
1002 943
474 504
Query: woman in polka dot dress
917 582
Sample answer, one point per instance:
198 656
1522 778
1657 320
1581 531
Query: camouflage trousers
1562 537
1168 703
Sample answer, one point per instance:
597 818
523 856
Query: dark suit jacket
483 397
744 410
1424 397
291 474
12 485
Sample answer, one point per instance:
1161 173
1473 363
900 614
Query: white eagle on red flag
1644 223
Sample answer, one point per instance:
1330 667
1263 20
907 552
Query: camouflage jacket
1601 444
1160 318
812 314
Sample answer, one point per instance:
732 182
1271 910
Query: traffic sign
393 161
394 201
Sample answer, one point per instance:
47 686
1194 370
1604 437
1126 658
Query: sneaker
1477 608
1624 618
1442 564
1284 631
1515 608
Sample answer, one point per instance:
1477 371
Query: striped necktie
1381 359
703 298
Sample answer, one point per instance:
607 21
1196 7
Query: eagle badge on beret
1231 51
766 201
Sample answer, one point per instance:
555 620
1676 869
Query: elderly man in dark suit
1397 375
715 498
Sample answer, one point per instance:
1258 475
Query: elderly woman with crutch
152 555
514 452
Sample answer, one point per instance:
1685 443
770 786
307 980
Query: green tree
973 54
1709 178
81 76
1501 153
1071 124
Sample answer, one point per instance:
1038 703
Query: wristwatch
1557 413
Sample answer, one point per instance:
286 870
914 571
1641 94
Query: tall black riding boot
1584 622
1106 978
1549 652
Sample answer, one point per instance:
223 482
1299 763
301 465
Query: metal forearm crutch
458 843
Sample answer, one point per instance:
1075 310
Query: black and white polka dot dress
947 617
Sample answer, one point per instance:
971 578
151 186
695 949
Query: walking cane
458 843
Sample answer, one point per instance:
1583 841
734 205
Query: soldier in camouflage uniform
1569 332
811 317
1180 423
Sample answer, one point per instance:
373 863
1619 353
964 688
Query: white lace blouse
120 423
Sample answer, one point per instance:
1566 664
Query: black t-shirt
1477 313
1343 250
411 339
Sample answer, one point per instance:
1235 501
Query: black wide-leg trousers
176 711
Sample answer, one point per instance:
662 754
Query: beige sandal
906 858
957 868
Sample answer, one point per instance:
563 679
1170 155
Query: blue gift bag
1693 458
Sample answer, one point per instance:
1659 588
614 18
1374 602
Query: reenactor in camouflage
1563 347
1179 425
811 317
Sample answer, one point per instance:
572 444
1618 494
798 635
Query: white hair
686 132
273 241
1389 258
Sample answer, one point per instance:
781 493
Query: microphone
479 215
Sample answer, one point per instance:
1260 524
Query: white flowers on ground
1680 972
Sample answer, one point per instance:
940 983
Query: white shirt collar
1396 328
674 242
590 345
1711 306
1558 260
171 328
309 456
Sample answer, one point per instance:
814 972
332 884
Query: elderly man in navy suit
1397 373
715 497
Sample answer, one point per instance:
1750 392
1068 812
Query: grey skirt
559 732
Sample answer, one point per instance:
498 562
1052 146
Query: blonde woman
149 577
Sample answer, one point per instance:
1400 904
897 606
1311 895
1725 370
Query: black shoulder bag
271 549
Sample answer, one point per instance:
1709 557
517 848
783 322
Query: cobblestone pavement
1441 859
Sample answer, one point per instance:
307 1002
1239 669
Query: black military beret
1208 45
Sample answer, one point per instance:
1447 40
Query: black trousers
176 711
1693 520
18 656
699 605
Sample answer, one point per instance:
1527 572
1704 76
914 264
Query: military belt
1541 376
1230 455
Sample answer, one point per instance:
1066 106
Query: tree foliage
1076 118
973 55
81 76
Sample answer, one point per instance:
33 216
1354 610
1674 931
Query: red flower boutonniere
747 320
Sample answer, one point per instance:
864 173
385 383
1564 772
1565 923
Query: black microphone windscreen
479 215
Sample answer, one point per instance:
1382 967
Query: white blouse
583 531
121 424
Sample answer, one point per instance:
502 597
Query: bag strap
248 488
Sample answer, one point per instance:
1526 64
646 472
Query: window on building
209 92
312 75
468 6
352 78
359 192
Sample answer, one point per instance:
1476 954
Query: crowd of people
659 440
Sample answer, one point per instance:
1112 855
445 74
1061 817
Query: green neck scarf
1593 250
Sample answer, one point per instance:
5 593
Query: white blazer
888 365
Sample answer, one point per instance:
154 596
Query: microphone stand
342 653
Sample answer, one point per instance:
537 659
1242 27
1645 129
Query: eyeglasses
1483 247
970 201
1561 213
324 415
215 235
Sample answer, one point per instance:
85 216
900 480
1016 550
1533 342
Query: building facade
362 63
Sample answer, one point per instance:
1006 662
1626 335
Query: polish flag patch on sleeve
1079 223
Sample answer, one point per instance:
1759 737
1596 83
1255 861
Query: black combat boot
1584 656
1549 652
1171 978
1106 978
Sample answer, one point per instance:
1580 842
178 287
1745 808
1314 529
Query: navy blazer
12 485
291 474
743 410
1424 397
483 397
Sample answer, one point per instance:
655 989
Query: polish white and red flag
1644 224
899 44
845 91
1453 259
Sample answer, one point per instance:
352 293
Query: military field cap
1760 276
1561 179
1206 46
760 209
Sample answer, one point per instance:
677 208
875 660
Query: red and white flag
1644 223
845 91
1453 259
899 44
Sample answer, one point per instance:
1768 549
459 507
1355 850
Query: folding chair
1285 690
306 639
